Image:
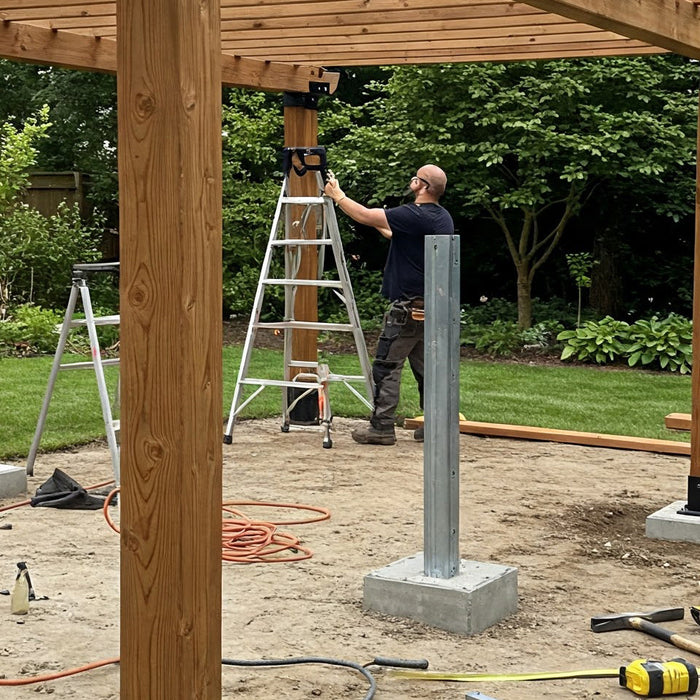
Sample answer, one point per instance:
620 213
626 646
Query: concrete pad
669 524
481 594
13 480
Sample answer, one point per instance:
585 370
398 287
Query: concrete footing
481 595
669 524
13 481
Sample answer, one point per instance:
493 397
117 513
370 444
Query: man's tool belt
414 307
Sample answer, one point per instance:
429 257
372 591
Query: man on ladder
402 336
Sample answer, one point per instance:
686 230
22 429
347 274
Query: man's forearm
362 215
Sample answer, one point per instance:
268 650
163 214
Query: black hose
377 661
308 660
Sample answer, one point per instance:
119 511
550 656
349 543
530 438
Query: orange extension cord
247 541
59 674
244 541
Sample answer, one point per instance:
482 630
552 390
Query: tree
83 108
529 144
36 253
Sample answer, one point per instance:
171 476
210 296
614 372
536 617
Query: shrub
504 338
33 330
498 309
489 311
596 341
667 343
29 330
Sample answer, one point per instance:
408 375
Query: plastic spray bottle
19 601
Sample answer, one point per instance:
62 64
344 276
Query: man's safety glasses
422 179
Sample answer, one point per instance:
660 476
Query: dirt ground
571 519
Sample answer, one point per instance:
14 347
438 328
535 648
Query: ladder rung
346 378
306 325
99 321
281 382
303 200
84 365
303 363
305 283
302 241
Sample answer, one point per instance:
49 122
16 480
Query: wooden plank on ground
573 437
677 421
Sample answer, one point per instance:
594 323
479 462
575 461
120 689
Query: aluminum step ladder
312 377
97 363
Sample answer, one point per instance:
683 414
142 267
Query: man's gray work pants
401 339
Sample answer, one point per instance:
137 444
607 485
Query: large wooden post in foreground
169 91
301 129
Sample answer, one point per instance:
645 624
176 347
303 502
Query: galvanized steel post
441 410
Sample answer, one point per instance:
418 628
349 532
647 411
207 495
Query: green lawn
569 398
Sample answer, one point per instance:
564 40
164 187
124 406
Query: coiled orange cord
246 541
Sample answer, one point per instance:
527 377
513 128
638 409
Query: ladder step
302 241
306 325
305 283
83 365
303 200
281 382
99 321
303 363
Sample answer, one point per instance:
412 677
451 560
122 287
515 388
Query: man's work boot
369 435
419 434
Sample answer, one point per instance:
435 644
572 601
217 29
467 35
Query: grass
619 402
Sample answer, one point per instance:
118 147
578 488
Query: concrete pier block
481 595
669 524
13 481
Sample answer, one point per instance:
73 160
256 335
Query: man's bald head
436 177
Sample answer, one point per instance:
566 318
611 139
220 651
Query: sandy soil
571 519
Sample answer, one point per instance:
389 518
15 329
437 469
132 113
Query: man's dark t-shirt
405 265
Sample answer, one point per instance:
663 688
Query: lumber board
677 421
670 24
572 437
34 44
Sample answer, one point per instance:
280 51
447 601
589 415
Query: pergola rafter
28 42
368 32
171 58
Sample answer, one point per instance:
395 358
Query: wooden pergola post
169 92
301 129
693 505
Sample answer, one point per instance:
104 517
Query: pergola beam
671 24
516 51
35 44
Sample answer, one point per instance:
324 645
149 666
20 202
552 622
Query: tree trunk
524 296
606 288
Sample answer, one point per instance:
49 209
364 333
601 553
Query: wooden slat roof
360 32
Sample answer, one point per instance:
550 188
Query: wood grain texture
677 421
695 377
307 33
37 44
171 335
301 129
573 437
670 24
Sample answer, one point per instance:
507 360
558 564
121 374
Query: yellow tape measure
653 679
649 679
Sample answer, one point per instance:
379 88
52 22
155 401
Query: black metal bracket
310 158
301 99
692 507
